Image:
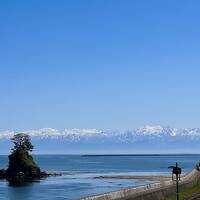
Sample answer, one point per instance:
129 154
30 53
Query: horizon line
123 154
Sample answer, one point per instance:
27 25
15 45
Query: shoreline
137 177
159 190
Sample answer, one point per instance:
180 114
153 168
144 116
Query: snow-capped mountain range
144 139
158 131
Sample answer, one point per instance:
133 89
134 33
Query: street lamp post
177 171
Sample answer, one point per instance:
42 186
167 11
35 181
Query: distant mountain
148 139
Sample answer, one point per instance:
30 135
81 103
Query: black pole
177 191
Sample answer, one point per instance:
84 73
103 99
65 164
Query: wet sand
153 177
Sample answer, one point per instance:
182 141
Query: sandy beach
145 177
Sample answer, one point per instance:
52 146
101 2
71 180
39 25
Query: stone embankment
155 191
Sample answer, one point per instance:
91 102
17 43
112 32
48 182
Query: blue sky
106 64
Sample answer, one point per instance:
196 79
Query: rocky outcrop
2 173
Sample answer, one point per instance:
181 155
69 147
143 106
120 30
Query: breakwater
155 191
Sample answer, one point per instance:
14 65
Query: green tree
22 142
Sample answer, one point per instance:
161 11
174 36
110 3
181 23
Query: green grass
187 192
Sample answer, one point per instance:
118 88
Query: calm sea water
79 172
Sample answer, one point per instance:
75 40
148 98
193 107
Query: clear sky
105 64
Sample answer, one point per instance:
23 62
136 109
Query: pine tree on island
21 165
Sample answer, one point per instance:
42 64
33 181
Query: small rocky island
21 167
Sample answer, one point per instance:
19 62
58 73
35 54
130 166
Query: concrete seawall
156 191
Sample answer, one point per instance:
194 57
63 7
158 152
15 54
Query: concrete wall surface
155 191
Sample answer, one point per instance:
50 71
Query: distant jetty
164 154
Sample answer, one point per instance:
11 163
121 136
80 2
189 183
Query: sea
79 172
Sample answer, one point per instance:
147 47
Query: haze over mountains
148 139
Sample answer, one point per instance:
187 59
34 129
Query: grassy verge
187 192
